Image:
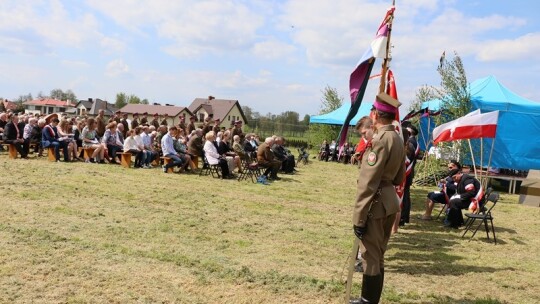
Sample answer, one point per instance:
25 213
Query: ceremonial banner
360 76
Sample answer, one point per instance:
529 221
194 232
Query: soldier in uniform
155 121
238 131
125 122
216 128
164 121
144 119
381 168
191 125
182 124
100 119
135 121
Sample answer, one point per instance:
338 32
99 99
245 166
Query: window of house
201 116
229 118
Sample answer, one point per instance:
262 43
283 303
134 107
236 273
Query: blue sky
273 56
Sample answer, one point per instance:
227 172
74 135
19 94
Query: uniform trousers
374 243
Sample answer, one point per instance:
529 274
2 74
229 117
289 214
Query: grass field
88 233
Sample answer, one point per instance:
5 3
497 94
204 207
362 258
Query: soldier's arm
373 163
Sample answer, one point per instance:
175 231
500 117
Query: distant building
92 106
9 105
173 112
47 106
226 110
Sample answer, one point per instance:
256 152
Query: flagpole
482 156
384 69
489 161
472 156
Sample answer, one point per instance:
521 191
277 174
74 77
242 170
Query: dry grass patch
87 233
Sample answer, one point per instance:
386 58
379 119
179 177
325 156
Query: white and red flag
472 125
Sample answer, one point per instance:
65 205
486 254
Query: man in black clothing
13 135
466 190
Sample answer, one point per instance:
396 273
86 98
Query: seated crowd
98 140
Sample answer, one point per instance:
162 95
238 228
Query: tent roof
516 144
337 117
491 95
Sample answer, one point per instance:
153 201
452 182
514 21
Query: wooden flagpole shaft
350 270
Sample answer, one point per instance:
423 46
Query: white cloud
116 68
48 25
192 27
524 47
75 64
272 49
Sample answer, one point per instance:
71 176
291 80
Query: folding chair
485 215
250 169
210 169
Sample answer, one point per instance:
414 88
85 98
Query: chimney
157 104
90 99
210 97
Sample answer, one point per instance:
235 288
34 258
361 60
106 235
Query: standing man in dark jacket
413 143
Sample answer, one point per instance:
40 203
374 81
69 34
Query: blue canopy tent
337 117
517 143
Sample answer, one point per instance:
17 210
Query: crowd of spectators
185 146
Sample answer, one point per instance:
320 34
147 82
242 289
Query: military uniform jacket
382 166
190 128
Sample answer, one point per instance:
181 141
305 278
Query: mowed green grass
87 233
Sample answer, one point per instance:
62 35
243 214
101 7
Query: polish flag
472 125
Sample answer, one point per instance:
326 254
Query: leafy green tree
133 99
454 91
305 121
145 101
331 100
121 100
319 132
61 95
423 94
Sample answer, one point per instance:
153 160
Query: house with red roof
47 106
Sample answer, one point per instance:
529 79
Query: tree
133 99
454 91
144 101
69 95
423 94
248 112
319 132
57 94
121 100
305 121
331 100
61 95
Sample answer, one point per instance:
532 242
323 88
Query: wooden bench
88 152
50 154
125 159
167 160
12 151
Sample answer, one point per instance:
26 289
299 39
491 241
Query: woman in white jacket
213 157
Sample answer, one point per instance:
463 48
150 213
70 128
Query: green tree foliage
330 101
305 121
61 95
423 94
121 100
134 99
145 101
454 91
319 132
